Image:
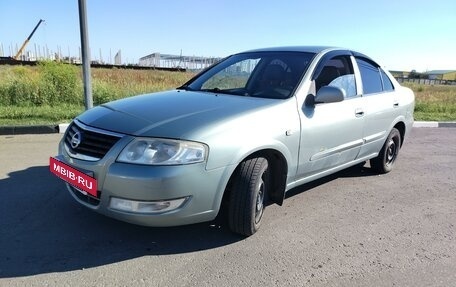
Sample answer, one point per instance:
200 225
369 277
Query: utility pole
85 55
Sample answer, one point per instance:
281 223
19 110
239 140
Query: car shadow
359 170
43 230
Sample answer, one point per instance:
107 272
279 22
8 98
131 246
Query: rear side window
387 85
370 76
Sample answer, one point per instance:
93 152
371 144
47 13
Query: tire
248 196
386 159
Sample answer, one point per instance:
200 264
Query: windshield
257 74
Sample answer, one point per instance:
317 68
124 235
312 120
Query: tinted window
238 74
387 85
338 72
370 75
256 74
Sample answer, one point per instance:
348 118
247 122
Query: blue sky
400 35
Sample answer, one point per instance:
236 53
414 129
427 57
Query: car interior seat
272 77
327 75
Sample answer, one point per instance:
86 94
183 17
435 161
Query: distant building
177 61
118 58
449 75
400 74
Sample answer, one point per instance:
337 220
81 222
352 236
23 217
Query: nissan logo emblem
76 140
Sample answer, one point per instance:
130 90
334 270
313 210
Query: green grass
434 103
52 93
21 116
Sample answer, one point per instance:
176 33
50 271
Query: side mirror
329 94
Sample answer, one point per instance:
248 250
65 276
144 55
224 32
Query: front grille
92 143
84 198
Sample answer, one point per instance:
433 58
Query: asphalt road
351 229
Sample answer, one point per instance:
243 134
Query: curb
22 130
38 129
421 124
61 128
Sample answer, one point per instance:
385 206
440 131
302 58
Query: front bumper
202 189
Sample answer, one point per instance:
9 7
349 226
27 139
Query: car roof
309 49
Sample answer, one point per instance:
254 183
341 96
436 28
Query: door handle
359 113
396 104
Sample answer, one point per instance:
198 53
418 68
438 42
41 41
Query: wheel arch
400 126
279 170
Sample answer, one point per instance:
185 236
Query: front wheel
385 160
248 196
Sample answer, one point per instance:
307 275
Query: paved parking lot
354 228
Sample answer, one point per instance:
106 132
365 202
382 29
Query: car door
379 105
331 133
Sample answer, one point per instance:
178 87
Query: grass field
52 93
434 103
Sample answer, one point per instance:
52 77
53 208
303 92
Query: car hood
172 114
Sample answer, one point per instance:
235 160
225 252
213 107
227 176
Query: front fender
276 128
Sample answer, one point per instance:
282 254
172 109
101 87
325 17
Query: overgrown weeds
52 92
434 103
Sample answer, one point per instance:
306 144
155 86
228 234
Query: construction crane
27 40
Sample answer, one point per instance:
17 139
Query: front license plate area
82 181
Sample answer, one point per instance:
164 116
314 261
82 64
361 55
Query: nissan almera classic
241 133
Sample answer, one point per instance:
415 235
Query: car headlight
162 152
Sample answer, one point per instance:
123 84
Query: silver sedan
239 134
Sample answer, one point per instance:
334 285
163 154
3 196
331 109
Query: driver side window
338 72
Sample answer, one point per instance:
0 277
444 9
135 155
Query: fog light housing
146 207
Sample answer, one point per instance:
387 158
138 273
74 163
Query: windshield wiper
212 90
185 88
237 92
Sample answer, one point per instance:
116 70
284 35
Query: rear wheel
248 196
386 159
